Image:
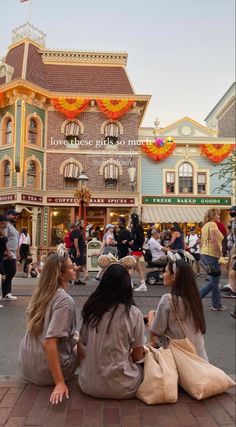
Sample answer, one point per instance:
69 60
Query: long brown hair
185 287
48 283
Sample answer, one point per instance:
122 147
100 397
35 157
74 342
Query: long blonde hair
210 213
48 284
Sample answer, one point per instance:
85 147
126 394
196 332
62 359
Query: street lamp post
83 195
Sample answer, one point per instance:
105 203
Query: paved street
28 405
220 336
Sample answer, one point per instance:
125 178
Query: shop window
32 175
33 131
61 219
201 183
72 132
185 178
170 182
6 174
111 133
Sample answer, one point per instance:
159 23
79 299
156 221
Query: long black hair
185 286
24 231
114 289
176 227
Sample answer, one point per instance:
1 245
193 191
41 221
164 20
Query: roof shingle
69 78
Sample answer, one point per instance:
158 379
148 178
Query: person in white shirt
192 244
156 249
24 244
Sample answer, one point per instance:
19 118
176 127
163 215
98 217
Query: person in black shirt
77 252
123 238
137 241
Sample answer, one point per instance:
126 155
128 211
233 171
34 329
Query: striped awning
71 171
72 129
111 129
111 171
173 213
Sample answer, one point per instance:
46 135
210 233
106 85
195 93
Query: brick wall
226 123
92 122
91 164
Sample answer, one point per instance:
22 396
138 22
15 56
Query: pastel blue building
182 186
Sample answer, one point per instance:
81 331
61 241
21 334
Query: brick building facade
61 113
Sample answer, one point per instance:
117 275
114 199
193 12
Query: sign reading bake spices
31 198
93 200
113 201
152 200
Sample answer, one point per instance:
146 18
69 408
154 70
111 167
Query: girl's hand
60 390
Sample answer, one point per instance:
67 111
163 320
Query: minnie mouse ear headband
104 261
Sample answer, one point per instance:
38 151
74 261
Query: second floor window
32 134
8 132
185 178
170 182
7 174
111 133
72 132
201 183
31 175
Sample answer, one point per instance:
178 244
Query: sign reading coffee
152 200
93 200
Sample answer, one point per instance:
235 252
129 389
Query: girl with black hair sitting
184 303
113 334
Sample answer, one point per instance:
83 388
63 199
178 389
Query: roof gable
187 128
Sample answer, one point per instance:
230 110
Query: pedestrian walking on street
177 239
24 244
192 243
48 353
77 251
9 262
113 334
123 238
211 249
137 241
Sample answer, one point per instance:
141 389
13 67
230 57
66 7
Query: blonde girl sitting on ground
48 353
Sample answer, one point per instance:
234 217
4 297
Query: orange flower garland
70 107
216 152
114 108
160 149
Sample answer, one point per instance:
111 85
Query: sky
181 52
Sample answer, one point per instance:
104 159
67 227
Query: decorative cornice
84 57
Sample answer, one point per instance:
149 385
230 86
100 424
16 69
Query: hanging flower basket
83 195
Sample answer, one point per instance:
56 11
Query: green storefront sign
152 200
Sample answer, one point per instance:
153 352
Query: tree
227 174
